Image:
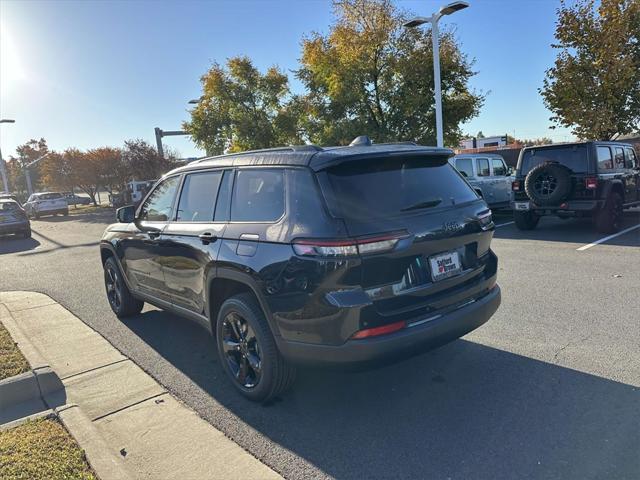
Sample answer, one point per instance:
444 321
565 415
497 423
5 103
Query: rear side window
605 162
482 165
9 206
258 196
465 167
632 161
198 198
382 188
499 168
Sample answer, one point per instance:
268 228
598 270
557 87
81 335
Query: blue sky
93 73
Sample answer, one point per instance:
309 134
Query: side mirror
510 171
126 214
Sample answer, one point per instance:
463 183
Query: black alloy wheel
113 285
242 350
248 352
545 185
121 301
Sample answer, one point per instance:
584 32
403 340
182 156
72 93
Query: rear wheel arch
226 284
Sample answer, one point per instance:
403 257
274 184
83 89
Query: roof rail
407 142
290 148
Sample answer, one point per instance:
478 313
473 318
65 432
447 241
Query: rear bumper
404 343
572 208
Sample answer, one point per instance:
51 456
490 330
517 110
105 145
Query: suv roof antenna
361 141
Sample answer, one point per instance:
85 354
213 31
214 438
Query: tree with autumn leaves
106 168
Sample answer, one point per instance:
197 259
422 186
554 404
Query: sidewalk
128 424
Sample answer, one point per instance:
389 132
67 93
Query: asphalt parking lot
548 388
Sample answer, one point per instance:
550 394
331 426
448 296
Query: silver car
489 176
46 203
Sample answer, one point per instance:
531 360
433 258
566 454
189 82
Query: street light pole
433 19
27 173
3 166
436 79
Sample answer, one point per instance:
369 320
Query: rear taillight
515 185
591 183
320 247
485 218
377 331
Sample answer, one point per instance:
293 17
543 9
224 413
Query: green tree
242 109
370 75
594 85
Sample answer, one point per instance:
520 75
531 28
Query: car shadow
16 244
463 411
572 230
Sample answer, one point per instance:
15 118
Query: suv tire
526 220
548 183
244 341
609 218
121 301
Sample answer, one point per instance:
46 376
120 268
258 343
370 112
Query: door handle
207 237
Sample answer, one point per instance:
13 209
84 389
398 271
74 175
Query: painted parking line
504 224
606 239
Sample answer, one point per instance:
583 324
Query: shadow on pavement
462 411
15 244
573 230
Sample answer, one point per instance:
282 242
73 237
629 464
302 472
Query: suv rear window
573 157
381 188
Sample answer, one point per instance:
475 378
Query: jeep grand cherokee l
309 255
589 179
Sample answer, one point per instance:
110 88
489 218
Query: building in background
473 142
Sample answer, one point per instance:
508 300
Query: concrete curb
30 393
126 422
106 465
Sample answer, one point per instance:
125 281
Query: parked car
73 199
306 255
13 218
489 176
586 179
46 203
10 196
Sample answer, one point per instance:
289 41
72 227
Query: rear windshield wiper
425 204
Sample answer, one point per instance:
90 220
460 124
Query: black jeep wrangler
588 179
299 255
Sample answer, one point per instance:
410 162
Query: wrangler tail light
591 183
515 185
321 247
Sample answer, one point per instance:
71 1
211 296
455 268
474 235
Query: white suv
46 203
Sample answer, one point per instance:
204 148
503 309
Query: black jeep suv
309 255
589 179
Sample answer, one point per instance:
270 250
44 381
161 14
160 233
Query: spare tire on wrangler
548 184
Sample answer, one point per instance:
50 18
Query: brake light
591 183
320 247
377 331
515 185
